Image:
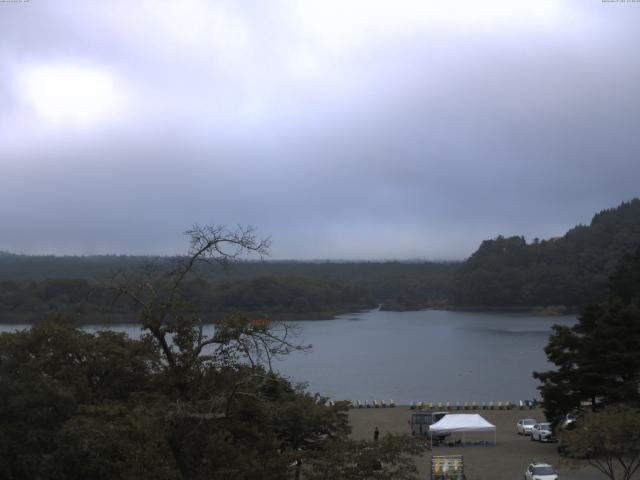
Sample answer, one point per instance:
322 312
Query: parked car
542 432
569 420
524 426
540 471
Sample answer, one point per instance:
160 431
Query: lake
430 355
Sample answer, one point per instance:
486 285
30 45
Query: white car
540 471
542 432
524 426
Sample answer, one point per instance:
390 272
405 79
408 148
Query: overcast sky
343 129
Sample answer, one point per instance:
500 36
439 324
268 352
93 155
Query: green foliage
49 374
609 440
571 270
388 458
177 404
598 359
75 405
113 440
78 405
294 290
288 294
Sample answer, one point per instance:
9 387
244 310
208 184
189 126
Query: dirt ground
507 460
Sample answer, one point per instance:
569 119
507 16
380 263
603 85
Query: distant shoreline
20 318
543 311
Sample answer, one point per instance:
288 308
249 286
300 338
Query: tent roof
462 422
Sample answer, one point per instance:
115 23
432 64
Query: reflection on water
501 331
429 355
410 356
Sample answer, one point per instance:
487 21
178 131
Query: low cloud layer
343 130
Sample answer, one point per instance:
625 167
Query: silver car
540 471
524 426
542 432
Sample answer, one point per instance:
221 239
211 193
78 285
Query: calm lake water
429 355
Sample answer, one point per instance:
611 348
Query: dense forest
33 286
177 403
571 270
567 271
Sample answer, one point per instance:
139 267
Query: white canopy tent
461 423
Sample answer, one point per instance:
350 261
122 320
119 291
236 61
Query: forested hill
505 272
571 270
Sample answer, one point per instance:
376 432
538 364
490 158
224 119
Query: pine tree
598 359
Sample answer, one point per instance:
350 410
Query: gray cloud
394 131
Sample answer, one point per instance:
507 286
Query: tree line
569 271
287 290
271 296
176 404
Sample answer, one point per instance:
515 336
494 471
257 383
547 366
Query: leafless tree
177 327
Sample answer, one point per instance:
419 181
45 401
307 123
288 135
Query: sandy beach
507 460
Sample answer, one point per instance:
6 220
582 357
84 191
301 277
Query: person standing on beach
376 434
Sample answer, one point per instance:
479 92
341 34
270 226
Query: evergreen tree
598 359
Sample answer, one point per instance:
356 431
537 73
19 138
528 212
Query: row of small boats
452 406
372 404
446 406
